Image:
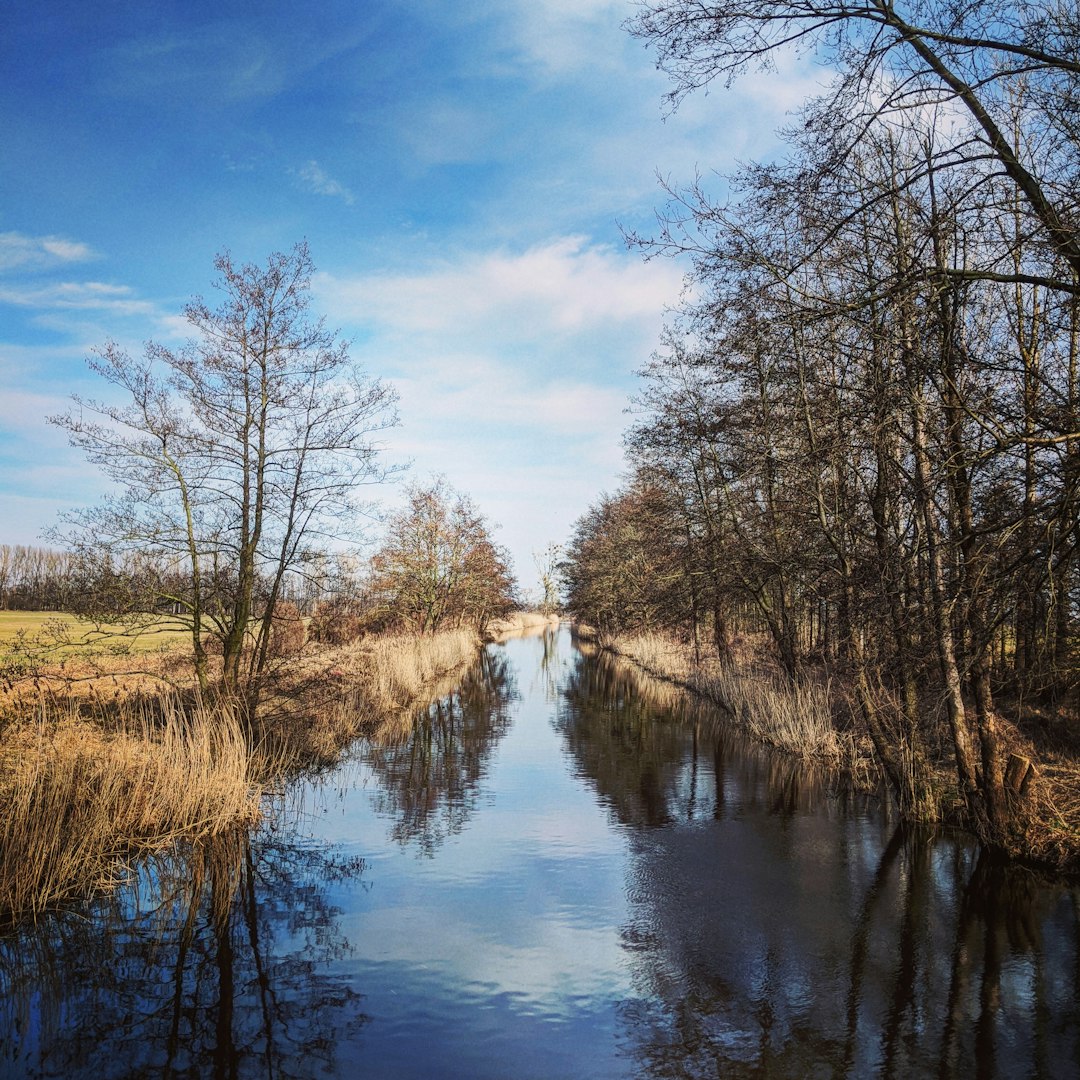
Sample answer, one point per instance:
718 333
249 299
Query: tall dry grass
795 718
520 622
346 691
394 671
88 786
83 797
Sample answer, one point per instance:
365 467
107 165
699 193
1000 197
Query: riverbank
119 765
814 721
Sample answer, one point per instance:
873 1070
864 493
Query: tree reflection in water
760 948
429 777
219 962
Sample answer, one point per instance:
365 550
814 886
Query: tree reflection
761 947
219 962
430 777
656 756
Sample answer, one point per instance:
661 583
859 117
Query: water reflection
612 884
658 757
430 774
776 932
218 963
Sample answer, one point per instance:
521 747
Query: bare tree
890 57
439 566
236 457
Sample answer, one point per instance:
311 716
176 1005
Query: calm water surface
558 872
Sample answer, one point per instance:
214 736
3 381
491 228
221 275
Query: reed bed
84 797
394 671
520 622
794 718
90 783
330 698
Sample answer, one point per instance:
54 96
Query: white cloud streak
18 251
314 178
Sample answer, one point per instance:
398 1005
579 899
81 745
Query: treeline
437 568
862 435
34 578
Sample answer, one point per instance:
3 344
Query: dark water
559 873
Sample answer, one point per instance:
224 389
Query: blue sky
459 169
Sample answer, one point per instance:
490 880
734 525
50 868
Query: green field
83 636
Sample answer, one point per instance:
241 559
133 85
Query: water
560 872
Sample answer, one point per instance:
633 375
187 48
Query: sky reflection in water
561 872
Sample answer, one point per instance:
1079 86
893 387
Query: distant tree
622 569
547 566
236 455
439 567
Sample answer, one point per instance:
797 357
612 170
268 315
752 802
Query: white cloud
565 35
314 178
23 252
80 295
564 286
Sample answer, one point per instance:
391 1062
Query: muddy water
557 872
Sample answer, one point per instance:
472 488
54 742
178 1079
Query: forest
860 439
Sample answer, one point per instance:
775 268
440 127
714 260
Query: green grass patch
81 637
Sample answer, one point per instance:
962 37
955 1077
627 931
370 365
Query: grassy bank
797 720
119 768
813 721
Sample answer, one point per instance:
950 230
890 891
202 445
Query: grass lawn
84 635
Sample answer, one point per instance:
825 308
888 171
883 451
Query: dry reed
343 692
520 622
90 785
796 718
83 798
393 671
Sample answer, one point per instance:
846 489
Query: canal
560 870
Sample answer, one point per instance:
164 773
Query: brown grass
84 798
797 719
94 780
800 720
324 701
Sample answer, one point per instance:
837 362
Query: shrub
335 624
287 630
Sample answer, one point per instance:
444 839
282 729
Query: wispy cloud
18 251
315 179
566 285
78 295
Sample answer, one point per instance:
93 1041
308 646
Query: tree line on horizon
861 437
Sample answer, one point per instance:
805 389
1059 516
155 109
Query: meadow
61 634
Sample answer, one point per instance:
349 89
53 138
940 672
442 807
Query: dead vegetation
813 721
84 797
99 767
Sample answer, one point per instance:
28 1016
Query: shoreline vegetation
813 720
125 764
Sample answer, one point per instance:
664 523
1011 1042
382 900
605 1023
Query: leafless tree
236 457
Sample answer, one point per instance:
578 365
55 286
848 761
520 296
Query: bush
335 624
287 630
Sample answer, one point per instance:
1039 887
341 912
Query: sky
462 170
